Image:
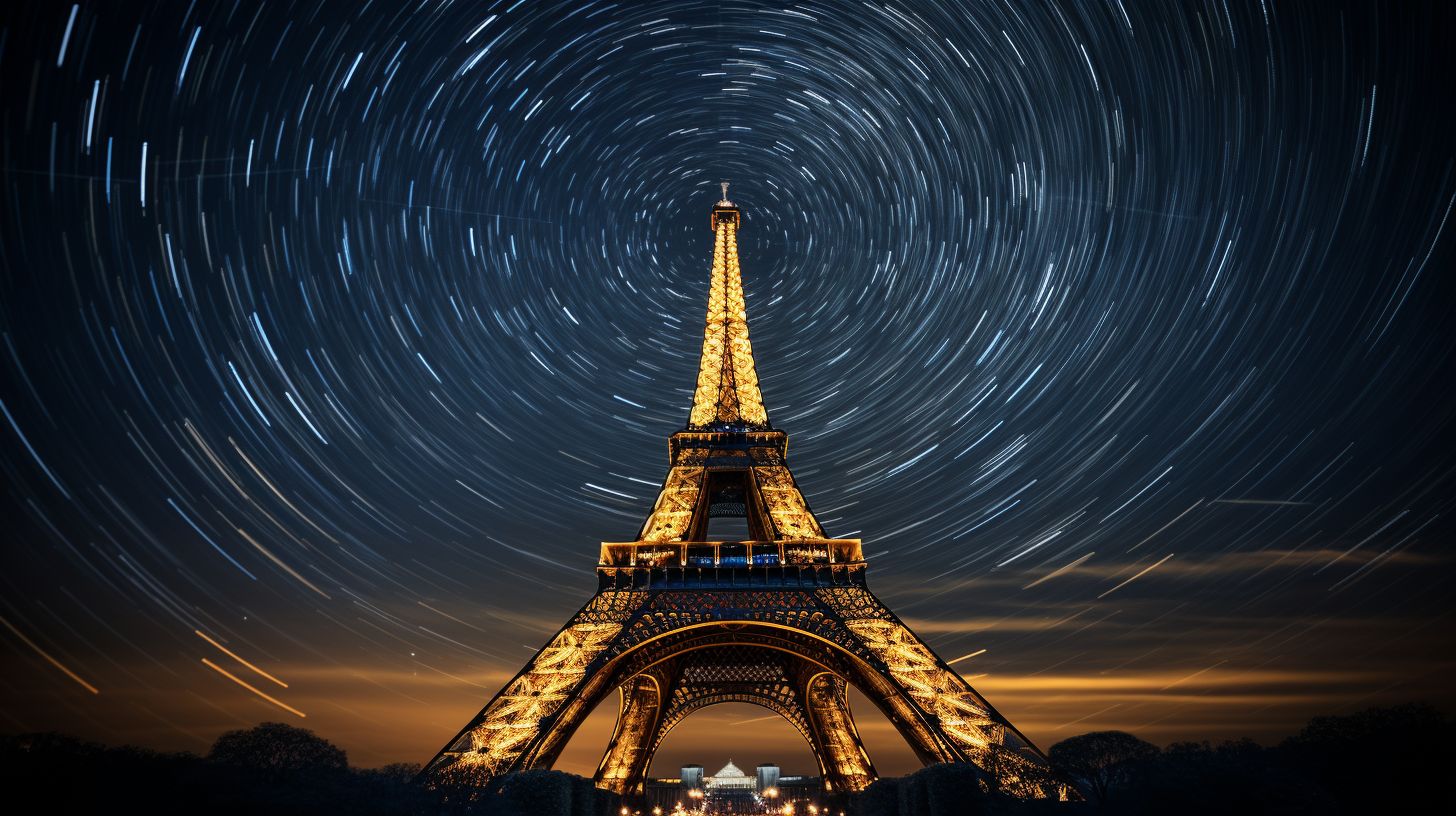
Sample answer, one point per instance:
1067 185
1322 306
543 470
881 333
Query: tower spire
727 390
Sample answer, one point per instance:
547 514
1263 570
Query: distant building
729 778
731 791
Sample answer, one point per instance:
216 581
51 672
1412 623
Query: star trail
337 336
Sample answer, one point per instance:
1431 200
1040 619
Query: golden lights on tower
727 391
782 619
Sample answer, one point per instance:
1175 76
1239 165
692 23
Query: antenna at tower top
725 200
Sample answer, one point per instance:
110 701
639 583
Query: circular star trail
336 338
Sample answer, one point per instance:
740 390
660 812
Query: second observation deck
733 563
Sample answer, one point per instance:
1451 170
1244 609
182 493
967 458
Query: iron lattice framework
783 620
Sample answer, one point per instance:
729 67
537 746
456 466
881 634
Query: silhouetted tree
1202 779
1100 761
881 798
399 771
1384 760
277 770
71 776
387 790
1373 758
534 793
607 802
950 789
585 798
277 750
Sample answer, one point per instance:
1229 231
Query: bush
1371 758
881 798
1100 762
278 750
951 789
534 793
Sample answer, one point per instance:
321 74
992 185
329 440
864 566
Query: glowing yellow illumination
674 509
511 723
727 389
782 620
828 708
939 691
786 505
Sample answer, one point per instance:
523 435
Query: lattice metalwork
502 734
796 688
785 504
735 674
669 612
631 747
675 506
961 718
939 691
773 502
783 621
727 402
836 739
727 391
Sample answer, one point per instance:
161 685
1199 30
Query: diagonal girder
505 734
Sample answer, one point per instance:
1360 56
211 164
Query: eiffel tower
783 620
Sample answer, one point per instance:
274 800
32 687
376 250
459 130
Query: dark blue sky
338 338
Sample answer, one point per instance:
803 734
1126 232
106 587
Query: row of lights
769 793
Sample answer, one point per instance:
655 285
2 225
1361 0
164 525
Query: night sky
337 336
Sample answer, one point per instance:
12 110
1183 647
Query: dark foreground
1383 760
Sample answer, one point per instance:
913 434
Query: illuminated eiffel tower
783 620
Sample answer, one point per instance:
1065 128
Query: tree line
1381 760
272 768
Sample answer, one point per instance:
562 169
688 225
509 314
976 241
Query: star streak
346 334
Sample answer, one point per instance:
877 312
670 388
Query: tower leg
624 765
836 741
522 726
948 721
